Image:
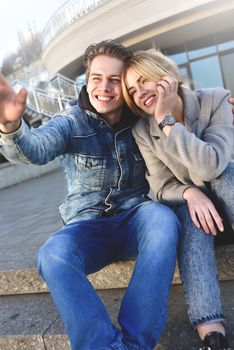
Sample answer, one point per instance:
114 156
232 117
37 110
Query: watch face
169 120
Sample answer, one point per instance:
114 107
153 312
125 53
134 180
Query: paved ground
29 214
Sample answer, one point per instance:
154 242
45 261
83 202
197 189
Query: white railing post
35 100
60 103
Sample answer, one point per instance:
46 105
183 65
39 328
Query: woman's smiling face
143 92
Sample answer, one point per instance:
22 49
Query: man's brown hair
108 48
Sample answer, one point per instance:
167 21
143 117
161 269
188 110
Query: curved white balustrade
66 15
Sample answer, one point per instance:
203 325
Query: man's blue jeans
149 232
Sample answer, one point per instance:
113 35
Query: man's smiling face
104 86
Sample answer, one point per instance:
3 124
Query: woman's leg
223 188
199 276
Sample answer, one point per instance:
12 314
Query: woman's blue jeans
149 232
198 272
197 259
223 189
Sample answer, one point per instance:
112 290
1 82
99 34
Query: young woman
186 139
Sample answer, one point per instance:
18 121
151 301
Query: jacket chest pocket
90 172
139 167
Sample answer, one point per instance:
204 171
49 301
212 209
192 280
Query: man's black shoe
215 341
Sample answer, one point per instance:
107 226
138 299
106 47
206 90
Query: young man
107 214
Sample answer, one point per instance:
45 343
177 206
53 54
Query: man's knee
44 257
58 251
165 222
161 229
159 215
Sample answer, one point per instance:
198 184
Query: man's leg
63 261
199 275
151 232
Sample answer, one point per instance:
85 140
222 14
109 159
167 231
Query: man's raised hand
231 100
12 106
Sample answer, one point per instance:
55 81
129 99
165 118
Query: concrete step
117 275
31 322
12 174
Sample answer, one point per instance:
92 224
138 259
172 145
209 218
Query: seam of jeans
135 347
117 346
218 316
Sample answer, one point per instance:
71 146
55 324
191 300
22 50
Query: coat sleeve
163 183
209 154
39 145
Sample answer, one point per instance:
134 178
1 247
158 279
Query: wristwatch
168 120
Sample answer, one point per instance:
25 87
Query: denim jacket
104 169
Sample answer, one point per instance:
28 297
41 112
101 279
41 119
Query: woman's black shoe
215 341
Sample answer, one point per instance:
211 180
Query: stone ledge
22 342
13 174
31 322
116 275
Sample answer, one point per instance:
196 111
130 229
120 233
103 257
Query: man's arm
19 143
231 100
12 106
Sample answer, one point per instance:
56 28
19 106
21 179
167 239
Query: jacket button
89 165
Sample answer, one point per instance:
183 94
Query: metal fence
43 104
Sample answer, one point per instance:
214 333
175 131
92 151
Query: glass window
227 68
201 47
201 52
206 73
179 58
184 71
226 46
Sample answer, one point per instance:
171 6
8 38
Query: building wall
178 27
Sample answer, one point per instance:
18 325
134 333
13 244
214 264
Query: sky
18 14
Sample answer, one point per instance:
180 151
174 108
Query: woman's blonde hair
151 65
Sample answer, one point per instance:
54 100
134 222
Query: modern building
197 34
